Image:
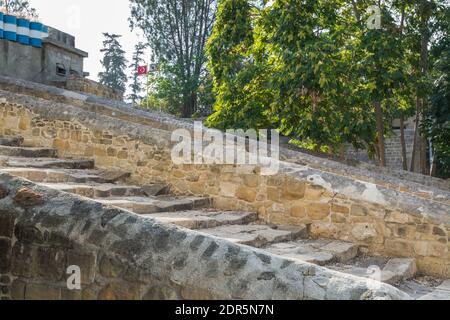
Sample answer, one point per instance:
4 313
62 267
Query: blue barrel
10 27
36 34
1 25
23 31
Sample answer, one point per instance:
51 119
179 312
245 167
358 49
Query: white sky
87 20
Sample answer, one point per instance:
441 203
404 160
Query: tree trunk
425 13
189 104
380 131
434 168
342 152
403 143
416 131
423 156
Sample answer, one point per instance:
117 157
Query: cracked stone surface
320 252
149 205
204 219
46 163
65 175
316 269
255 235
442 292
27 152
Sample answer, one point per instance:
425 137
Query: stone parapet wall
118 109
125 256
81 84
382 220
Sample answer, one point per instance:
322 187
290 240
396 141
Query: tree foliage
114 63
136 82
436 125
177 31
318 71
236 69
20 7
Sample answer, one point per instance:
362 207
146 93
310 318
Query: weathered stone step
392 271
150 205
257 235
27 152
202 219
11 141
67 175
97 190
319 252
47 163
442 292
106 190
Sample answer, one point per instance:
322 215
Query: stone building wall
122 256
397 220
393 147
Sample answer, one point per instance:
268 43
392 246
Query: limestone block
293 190
42 292
363 231
318 211
246 194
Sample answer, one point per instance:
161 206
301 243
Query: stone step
389 270
257 235
93 190
11 141
203 219
442 292
107 190
27 152
150 205
67 175
320 252
47 163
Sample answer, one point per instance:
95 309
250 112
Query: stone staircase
154 201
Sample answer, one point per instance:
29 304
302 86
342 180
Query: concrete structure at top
53 63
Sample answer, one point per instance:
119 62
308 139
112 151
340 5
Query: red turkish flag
142 70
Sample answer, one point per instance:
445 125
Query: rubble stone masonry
403 220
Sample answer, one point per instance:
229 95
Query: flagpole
147 86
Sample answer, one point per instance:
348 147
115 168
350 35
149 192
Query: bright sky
87 20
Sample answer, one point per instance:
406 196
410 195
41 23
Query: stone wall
125 256
81 84
393 147
385 219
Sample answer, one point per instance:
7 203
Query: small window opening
60 69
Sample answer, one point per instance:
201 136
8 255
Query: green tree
236 69
114 63
177 31
312 68
19 7
137 61
436 124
